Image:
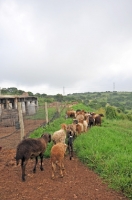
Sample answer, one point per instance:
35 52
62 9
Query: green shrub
111 112
129 117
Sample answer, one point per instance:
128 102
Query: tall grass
108 151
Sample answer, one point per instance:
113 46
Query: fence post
46 113
21 120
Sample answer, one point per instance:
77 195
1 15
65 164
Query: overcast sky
66 46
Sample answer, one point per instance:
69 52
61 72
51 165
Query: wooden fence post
46 113
21 120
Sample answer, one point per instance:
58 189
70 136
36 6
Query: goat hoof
42 169
34 171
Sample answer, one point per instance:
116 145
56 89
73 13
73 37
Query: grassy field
107 150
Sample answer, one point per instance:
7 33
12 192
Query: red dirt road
79 183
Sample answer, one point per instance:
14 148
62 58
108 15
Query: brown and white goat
79 128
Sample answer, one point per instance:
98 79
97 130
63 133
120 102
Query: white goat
60 135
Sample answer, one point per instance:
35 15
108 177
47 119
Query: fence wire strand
9 118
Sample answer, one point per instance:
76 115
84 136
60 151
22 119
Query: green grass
51 128
82 107
108 151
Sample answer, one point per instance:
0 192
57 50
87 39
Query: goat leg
36 161
41 166
23 166
61 166
71 152
53 170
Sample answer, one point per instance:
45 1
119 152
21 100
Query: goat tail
17 160
19 156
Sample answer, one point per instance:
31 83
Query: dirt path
79 183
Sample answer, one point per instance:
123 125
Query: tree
4 91
38 94
59 97
30 93
44 95
12 90
111 112
20 92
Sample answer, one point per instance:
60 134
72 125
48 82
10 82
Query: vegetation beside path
107 150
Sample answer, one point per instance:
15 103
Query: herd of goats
62 140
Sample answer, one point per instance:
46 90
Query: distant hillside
121 100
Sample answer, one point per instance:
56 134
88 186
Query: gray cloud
80 45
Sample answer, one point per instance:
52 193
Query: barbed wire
8 135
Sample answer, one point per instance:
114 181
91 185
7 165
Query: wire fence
10 125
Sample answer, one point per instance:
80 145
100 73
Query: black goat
70 138
91 121
30 148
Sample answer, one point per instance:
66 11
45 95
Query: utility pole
63 90
113 87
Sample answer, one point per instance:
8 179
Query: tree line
121 100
